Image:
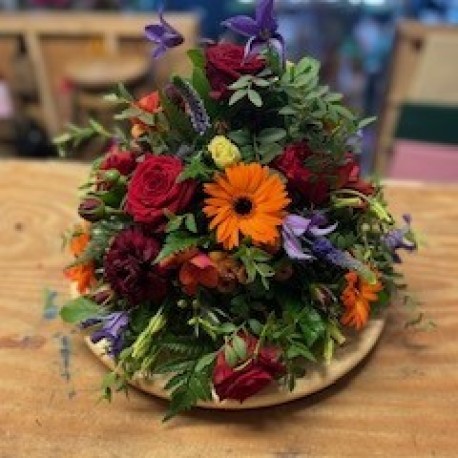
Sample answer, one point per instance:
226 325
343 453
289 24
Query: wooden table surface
402 401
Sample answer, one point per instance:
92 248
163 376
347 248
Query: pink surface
424 161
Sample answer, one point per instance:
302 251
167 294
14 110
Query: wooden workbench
402 401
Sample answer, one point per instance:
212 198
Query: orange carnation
356 297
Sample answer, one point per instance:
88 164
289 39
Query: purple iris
396 239
295 227
164 35
261 31
112 330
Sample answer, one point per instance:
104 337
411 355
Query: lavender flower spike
163 34
263 30
195 106
112 329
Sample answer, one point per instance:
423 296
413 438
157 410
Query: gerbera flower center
243 206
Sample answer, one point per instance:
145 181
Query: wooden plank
403 401
45 92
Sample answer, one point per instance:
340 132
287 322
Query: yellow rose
224 152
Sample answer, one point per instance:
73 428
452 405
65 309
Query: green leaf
63 138
123 92
240 137
243 82
261 82
205 361
236 96
288 111
196 169
227 328
344 112
176 242
230 355
255 326
128 113
299 349
255 98
178 119
269 152
271 135
366 122
197 57
239 346
79 309
190 223
265 270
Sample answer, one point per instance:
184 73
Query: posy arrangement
228 235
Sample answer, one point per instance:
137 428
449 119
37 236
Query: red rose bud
92 209
124 162
322 294
103 296
111 176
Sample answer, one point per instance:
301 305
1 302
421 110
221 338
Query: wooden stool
91 78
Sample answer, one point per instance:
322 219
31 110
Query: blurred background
396 59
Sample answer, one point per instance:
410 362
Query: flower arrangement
228 234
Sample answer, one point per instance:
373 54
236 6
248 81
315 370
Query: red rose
240 384
311 186
349 177
154 188
226 64
122 161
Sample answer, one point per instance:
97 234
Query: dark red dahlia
129 268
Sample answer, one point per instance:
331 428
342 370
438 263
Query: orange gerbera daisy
246 199
81 274
356 297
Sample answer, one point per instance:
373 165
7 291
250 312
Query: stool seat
103 72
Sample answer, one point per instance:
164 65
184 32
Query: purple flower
261 31
112 330
295 227
323 249
164 35
396 239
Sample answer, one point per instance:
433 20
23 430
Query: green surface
430 123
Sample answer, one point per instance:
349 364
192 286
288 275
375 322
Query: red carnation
226 64
122 161
154 188
240 384
129 268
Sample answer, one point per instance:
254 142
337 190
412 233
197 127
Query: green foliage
80 309
256 262
177 118
178 241
76 136
197 168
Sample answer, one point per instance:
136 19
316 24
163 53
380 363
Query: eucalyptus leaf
272 134
79 309
255 98
237 96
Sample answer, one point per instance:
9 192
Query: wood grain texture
402 401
